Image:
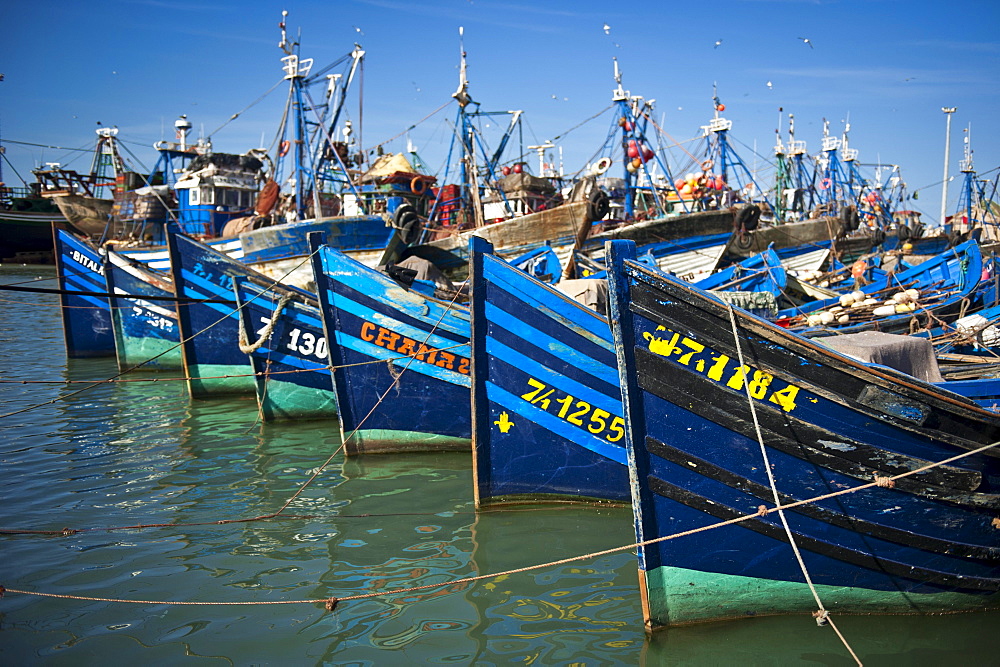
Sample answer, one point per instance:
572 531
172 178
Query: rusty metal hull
89 215
558 225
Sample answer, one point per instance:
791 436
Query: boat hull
146 333
288 351
89 215
86 314
558 226
213 361
926 543
547 413
400 359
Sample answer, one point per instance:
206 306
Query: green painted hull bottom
209 380
676 596
384 441
285 400
148 354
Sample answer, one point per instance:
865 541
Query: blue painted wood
213 361
542 263
292 361
761 273
547 415
355 233
400 357
944 281
829 423
146 333
86 319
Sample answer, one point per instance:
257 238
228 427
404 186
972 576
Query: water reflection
144 453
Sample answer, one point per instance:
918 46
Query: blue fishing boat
728 415
547 417
544 376
86 315
143 315
400 359
283 335
939 289
208 318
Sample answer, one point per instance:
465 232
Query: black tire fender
599 205
406 220
747 218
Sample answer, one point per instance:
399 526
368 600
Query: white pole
948 111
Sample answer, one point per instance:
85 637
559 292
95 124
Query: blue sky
888 66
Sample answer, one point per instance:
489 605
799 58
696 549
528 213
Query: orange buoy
858 268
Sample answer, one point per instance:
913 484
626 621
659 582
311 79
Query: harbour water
96 459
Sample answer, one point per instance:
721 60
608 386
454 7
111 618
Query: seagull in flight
717 42
770 85
357 30
607 29
806 40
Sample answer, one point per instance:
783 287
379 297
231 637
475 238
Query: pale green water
136 453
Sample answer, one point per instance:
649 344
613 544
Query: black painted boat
728 415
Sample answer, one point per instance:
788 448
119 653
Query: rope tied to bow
245 346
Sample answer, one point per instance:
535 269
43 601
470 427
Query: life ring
707 164
283 148
418 185
602 165
825 184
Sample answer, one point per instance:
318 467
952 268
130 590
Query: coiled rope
247 347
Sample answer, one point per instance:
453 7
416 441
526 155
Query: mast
640 161
830 163
783 177
474 178
802 177
723 157
969 180
107 164
296 70
308 134
469 174
948 111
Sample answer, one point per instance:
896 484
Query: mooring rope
331 602
823 615
185 378
352 434
247 347
167 351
